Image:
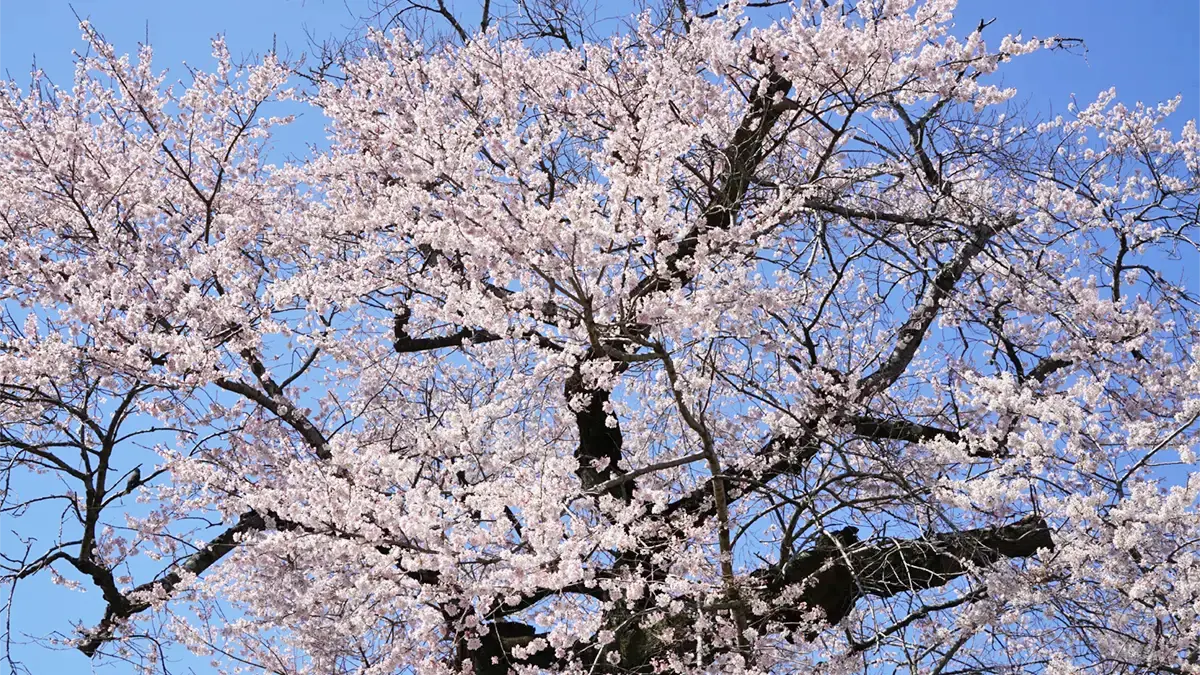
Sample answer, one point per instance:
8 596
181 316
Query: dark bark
743 154
120 608
834 575
912 332
841 570
599 434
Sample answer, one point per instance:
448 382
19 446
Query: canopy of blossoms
713 346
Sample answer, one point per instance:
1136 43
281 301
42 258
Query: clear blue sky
1149 50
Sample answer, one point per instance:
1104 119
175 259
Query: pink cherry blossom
716 345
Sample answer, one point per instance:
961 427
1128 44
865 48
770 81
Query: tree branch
121 608
912 332
841 570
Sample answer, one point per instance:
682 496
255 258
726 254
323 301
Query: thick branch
284 411
913 331
121 608
868 214
789 452
743 156
899 430
841 570
406 344
599 435
1045 368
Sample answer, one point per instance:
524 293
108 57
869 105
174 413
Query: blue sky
1149 50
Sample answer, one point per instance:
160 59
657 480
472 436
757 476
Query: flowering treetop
708 347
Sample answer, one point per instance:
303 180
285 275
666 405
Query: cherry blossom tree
713 345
